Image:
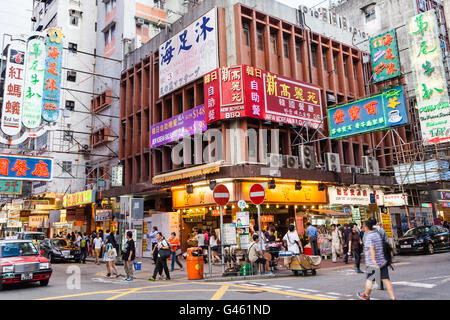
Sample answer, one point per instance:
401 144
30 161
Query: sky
15 17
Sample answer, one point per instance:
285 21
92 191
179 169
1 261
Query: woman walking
214 247
174 247
163 248
110 256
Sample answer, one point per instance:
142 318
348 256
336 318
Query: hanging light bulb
295 206
278 206
267 206
232 206
287 207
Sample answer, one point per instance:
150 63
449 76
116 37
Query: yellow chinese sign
386 221
79 198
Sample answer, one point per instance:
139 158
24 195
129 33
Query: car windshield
17 249
59 242
35 236
416 231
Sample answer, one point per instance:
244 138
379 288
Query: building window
273 43
314 55
298 51
335 62
71 76
110 5
286 47
68 136
70 105
245 34
345 67
74 20
260 38
67 166
109 34
325 60
73 47
370 13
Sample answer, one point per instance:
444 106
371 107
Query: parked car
36 237
58 249
21 261
424 240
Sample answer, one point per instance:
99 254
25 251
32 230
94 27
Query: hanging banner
430 79
384 56
34 82
376 113
13 88
189 54
52 78
25 168
10 187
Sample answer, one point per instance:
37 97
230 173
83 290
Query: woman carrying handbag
163 254
110 256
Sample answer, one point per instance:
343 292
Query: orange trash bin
194 262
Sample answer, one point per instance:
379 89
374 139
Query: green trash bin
246 270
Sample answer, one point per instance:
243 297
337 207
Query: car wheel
1 286
296 273
430 248
313 272
44 283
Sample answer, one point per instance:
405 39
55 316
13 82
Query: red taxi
21 261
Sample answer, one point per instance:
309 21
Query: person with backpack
163 254
374 253
84 244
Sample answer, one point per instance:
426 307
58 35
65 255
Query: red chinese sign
245 91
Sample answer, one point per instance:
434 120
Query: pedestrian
163 253
200 239
292 241
347 231
336 247
128 256
79 237
312 235
84 245
446 225
98 244
374 256
106 235
153 237
174 247
270 235
110 256
213 242
256 256
354 246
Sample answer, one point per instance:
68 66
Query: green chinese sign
10 187
384 55
430 78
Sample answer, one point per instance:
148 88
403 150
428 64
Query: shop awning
330 212
189 172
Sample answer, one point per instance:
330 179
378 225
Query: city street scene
225 150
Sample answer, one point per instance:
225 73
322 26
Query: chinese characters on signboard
395 200
189 54
429 74
52 78
356 195
25 168
103 215
34 83
384 55
175 128
13 89
79 198
10 187
371 114
245 91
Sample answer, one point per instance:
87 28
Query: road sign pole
259 228
221 240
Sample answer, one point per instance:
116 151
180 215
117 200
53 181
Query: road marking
282 286
415 284
123 294
325 296
334 293
309 290
268 287
219 293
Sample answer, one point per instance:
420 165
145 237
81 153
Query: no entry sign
221 195
257 193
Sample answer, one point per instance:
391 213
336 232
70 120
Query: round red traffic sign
257 193
221 195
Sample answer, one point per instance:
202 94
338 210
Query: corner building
267 36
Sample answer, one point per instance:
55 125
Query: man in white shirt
98 243
292 241
335 243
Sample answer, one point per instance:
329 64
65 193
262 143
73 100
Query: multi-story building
268 37
431 179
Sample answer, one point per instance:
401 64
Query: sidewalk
147 268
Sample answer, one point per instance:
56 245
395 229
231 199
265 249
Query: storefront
398 219
80 210
442 202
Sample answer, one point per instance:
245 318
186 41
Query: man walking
129 256
354 246
347 231
335 243
153 237
312 235
98 244
84 244
374 255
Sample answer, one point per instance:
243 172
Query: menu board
386 221
229 234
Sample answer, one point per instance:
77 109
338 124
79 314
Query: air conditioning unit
307 157
290 161
356 170
332 162
139 21
348 169
274 160
370 165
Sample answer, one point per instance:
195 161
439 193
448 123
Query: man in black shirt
128 256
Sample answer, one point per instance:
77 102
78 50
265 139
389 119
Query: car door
445 236
437 237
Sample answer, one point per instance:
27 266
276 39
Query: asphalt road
419 277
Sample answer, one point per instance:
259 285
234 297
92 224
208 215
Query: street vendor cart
301 264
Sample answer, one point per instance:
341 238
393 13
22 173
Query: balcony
101 102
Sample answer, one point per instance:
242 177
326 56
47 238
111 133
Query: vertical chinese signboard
384 55
25 168
13 92
371 114
245 91
34 83
189 54
429 74
52 78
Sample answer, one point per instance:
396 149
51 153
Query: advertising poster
229 234
242 219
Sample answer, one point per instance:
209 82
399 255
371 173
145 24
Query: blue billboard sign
25 168
376 113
